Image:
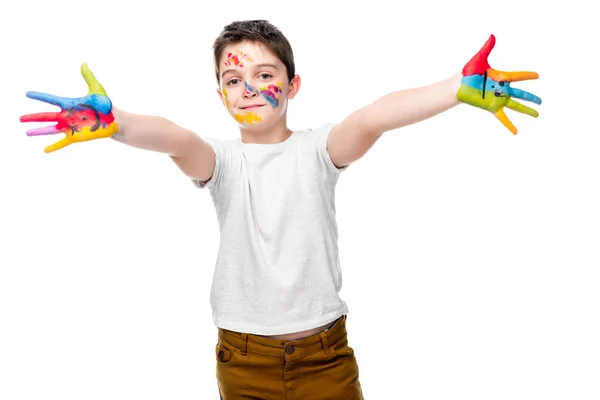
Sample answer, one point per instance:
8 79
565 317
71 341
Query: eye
266 76
233 82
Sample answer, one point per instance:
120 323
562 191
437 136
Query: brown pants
318 367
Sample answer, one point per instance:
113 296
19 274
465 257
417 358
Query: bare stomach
301 334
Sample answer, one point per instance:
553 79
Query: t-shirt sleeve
319 139
222 149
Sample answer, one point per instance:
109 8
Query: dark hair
258 31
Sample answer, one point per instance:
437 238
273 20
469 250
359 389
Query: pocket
223 354
336 353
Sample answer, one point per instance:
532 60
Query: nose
249 91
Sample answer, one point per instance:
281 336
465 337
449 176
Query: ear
294 86
220 93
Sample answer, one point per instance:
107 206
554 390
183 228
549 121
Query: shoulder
316 137
315 141
226 153
318 132
221 144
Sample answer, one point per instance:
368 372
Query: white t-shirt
277 269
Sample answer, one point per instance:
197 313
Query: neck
271 134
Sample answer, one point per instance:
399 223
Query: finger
99 102
40 117
523 95
94 86
511 76
45 130
62 102
504 119
514 105
479 63
57 146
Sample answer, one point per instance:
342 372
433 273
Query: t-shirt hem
256 329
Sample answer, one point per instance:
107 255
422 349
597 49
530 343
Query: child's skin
255 91
257 82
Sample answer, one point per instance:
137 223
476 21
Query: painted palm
490 89
80 119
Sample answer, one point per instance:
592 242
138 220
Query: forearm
151 133
408 106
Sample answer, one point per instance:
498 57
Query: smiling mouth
251 107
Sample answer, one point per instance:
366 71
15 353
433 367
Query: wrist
454 85
455 82
119 118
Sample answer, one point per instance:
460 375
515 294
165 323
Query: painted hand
81 119
489 89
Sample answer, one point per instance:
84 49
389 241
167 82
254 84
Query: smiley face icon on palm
490 89
80 119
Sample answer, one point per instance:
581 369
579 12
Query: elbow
369 123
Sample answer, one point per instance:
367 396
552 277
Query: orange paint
237 59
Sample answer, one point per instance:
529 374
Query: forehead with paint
245 56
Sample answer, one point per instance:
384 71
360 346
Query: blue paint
250 88
504 90
97 101
272 100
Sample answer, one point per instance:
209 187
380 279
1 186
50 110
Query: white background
470 255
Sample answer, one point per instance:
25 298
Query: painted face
251 84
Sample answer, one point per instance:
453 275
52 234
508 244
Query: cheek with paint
271 93
225 97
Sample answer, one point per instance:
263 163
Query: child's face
254 85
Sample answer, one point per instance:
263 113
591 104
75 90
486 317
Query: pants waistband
291 349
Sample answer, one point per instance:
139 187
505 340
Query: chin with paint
254 86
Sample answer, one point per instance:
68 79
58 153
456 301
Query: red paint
479 63
70 121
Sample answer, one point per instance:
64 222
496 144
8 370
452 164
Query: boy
281 323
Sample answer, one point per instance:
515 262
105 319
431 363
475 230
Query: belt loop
245 343
325 343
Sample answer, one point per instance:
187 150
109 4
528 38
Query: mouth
252 107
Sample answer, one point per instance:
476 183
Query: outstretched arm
355 135
478 85
93 117
192 154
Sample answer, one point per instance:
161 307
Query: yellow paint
84 135
237 58
249 118
94 87
267 87
501 115
226 96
